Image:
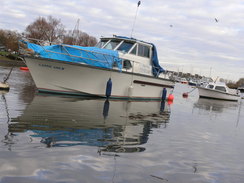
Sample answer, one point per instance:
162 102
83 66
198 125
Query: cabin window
125 47
220 88
143 51
133 51
112 44
210 86
101 43
127 64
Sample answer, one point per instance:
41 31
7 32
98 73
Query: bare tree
86 40
9 39
48 29
240 82
80 38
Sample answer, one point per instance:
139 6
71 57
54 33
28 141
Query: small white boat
118 67
218 91
192 82
184 81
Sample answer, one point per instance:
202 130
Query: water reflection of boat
214 105
118 126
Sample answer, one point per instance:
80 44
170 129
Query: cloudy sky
187 36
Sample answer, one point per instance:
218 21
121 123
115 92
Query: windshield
101 43
112 44
125 47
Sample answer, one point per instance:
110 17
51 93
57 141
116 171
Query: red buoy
24 68
171 97
170 102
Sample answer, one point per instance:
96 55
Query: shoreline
8 62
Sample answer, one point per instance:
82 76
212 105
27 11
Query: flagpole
138 4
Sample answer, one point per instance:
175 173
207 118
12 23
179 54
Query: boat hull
213 94
80 79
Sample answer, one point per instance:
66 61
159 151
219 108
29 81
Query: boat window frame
212 86
137 49
110 42
225 90
121 42
126 41
127 64
144 46
132 48
107 40
136 44
106 43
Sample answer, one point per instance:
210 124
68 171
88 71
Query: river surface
61 139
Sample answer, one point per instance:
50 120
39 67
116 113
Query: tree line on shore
48 29
237 84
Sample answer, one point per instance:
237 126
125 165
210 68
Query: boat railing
89 55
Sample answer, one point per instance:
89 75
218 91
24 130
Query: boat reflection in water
212 105
111 125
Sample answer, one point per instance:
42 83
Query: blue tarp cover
156 69
90 55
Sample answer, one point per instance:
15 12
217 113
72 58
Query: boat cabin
221 87
126 45
136 55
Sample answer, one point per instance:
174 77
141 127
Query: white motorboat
218 91
118 67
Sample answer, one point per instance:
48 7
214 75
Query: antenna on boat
138 4
216 79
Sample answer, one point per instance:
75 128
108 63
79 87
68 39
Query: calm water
47 138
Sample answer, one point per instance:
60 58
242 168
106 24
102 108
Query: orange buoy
185 95
170 102
24 68
171 97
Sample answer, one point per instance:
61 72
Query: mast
138 4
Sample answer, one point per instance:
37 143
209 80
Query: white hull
80 79
213 94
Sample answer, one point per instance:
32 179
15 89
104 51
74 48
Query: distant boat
218 91
118 67
184 81
192 83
